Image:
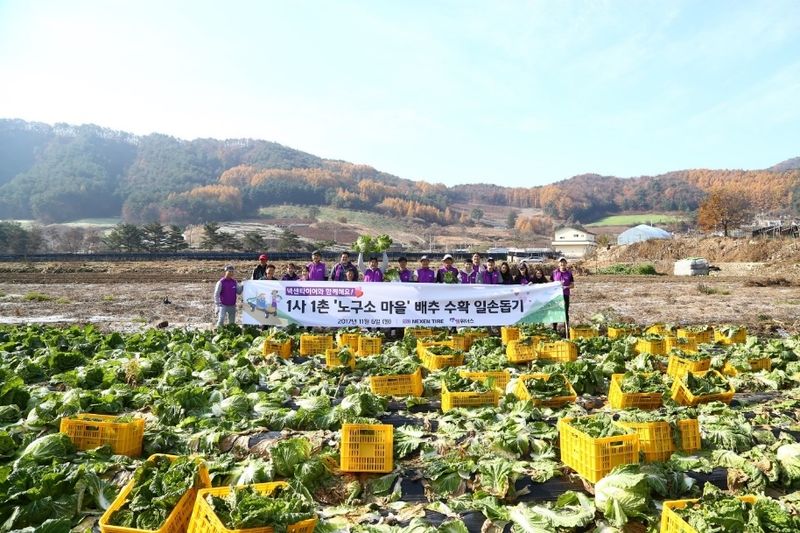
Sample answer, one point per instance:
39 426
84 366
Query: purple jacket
492 278
339 272
406 275
426 275
373 275
565 278
316 271
228 289
464 277
444 270
475 277
287 277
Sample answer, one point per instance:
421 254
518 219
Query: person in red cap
260 271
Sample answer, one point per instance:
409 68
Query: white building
574 241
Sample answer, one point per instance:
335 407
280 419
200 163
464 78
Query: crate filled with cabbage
262 508
547 390
594 445
719 511
459 391
695 388
642 390
160 496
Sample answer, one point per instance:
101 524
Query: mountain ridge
61 172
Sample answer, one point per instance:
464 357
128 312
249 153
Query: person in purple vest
448 268
477 269
406 275
225 292
464 275
425 274
491 276
316 268
291 273
373 273
339 269
564 275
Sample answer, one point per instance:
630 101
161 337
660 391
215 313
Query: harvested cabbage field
457 431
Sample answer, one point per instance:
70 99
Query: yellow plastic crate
521 350
658 329
461 342
332 358
348 339
559 351
679 366
205 520
369 345
655 438
683 396
700 337
508 334
655 347
683 344
501 378
672 523
432 361
282 348
419 332
423 345
521 390
639 400
367 448
618 333
398 384
582 332
315 344
178 519
739 337
88 431
451 400
764 363
594 458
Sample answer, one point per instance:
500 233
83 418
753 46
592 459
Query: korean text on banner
397 305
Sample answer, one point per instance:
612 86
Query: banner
399 305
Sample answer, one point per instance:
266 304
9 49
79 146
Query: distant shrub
37 297
645 269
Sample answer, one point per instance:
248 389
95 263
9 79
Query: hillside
63 172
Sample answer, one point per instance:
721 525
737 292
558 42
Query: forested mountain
62 172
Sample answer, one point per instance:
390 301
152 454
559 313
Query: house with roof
574 241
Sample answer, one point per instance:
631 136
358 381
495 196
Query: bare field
130 296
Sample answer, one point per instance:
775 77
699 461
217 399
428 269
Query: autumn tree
476 214
723 209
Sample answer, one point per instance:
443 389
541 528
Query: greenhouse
641 233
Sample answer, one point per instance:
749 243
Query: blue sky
514 93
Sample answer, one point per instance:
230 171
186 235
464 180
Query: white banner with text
399 305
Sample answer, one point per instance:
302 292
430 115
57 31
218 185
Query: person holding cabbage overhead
366 245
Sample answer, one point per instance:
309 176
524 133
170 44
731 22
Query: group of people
475 271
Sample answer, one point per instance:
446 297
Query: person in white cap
425 274
447 273
225 292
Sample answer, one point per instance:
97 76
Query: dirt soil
130 296
773 257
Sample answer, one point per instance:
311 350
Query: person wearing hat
447 268
425 273
261 268
372 273
564 275
339 269
491 276
405 274
225 292
316 268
